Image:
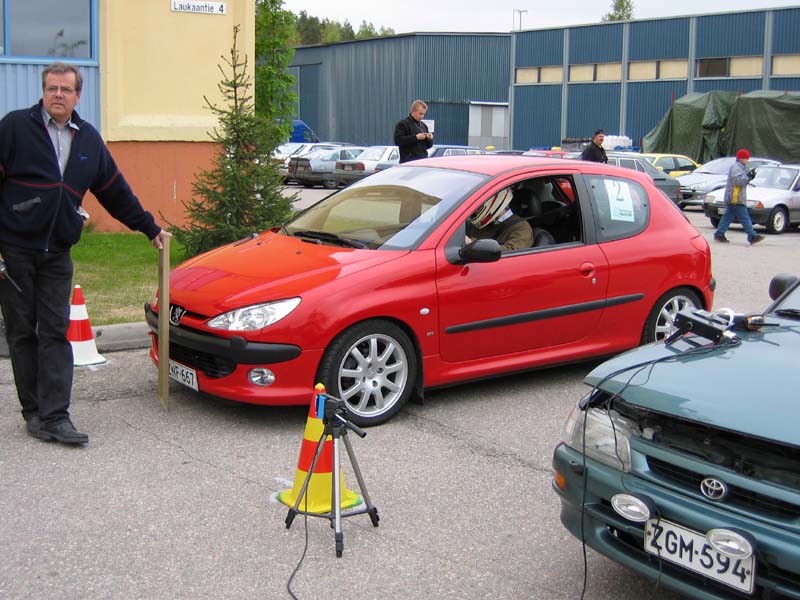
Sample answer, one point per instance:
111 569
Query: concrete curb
109 338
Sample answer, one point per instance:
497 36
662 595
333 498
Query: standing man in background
411 135
49 158
594 150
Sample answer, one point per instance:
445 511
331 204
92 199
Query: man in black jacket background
411 135
49 158
594 150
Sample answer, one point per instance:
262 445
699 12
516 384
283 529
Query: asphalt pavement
180 503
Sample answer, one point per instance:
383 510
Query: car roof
495 164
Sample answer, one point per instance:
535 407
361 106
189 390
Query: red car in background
374 292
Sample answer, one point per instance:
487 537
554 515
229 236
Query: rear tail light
338 165
358 166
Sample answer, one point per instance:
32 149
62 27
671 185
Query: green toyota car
683 461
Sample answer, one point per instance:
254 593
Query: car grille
741 498
209 364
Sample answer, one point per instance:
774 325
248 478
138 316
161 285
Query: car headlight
606 437
257 316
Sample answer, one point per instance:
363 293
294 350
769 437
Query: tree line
309 29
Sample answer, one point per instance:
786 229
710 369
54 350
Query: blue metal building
357 91
623 76
534 88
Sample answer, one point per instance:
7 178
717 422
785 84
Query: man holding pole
49 159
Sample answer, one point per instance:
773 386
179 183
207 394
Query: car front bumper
588 487
222 365
758 216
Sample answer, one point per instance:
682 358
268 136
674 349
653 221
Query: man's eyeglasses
55 89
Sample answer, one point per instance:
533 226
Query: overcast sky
406 16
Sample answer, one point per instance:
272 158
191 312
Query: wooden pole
163 323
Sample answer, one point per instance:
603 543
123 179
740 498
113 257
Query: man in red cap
736 200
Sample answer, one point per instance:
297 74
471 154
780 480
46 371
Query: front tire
660 322
372 366
778 220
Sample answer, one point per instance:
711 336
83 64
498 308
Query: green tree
366 30
621 10
275 97
241 193
309 29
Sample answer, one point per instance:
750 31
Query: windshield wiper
324 236
788 312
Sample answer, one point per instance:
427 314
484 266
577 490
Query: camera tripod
336 426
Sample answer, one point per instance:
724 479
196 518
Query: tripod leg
372 511
337 499
294 510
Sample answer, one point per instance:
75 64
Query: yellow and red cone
320 485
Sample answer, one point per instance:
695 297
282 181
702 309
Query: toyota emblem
713 488
176 314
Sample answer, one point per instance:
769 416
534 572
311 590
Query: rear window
620 207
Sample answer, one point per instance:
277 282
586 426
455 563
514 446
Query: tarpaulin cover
713 124
692 126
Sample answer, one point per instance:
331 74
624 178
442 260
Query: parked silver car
316 167
371 160
712 176
282 161
773 199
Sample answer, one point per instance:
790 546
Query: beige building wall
155 67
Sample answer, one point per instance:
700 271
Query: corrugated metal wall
648 101
659 40
592 106
365 87
536 120
727 85
785 28
539 48
785 84
595 44
22 87
736 34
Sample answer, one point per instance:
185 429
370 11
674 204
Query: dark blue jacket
38 207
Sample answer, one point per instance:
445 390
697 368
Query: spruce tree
241 193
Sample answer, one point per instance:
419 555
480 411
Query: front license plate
184 375
720 211
691 550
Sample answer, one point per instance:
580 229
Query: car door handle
588 269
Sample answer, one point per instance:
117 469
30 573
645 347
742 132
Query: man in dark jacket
49 158
594 150
411 134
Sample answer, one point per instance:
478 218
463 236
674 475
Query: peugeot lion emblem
176 314
713 488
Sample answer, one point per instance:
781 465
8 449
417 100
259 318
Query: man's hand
422 136
157 241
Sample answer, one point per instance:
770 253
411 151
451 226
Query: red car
374 291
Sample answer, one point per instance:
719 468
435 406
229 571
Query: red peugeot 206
377 292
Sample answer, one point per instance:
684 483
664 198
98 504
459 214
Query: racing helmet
491 209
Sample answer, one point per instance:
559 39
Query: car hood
700 179
750 388
268 267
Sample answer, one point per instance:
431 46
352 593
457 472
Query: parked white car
773 199
712 176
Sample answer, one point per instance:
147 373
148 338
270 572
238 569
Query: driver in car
495 220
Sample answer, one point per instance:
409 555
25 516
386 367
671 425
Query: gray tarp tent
692 126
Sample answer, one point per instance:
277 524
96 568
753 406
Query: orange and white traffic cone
318 496
79 334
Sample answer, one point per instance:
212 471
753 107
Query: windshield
287 148
791 303
373 153
392 210
780 178
719 166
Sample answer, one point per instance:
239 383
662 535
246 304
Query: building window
638 71
551 74
581 73
747 66
608 72
788 64
712 67
47 28
527 75
673 69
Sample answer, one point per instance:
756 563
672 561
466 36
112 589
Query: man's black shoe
64 432
757 238
34 427
722 239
